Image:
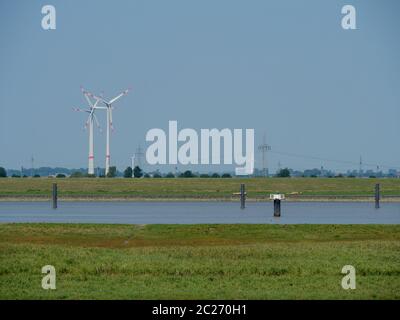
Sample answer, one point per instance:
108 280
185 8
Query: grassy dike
192 188
199 261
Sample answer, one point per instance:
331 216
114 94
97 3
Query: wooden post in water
277 208
54 195
377 196
277 197
242 196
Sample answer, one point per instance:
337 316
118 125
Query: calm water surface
199 212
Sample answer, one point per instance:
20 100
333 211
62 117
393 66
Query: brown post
242 196
54 194
277 208
377 195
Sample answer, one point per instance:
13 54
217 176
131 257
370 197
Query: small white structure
277 196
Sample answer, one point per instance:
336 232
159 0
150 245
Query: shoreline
390 199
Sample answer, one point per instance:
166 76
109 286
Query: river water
200 212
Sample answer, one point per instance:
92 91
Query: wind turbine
89 123
109 107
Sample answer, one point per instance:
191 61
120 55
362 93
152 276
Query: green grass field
199 261
194 188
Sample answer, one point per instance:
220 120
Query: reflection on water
200 212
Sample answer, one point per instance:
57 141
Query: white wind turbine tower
89 123
109 108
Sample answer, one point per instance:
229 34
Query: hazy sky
286 68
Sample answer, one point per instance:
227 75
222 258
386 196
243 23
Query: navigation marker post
54 195
277 197
377 195
242 196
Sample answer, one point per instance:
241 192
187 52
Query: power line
138 157
264 147
354 163
32 167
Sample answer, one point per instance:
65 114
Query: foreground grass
199 261
195 188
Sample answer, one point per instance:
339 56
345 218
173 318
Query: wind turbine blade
85 92
80 110
87 122
98 98
97 123
119 96
91 114
94 107
89 94
88 100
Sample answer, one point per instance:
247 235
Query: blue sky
285 68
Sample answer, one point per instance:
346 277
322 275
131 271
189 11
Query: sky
322 95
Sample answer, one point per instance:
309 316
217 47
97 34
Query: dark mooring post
242 196
277 207
54 194
277 203
377 196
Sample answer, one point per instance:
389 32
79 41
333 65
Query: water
200 212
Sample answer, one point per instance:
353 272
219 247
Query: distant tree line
138 172
3 172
